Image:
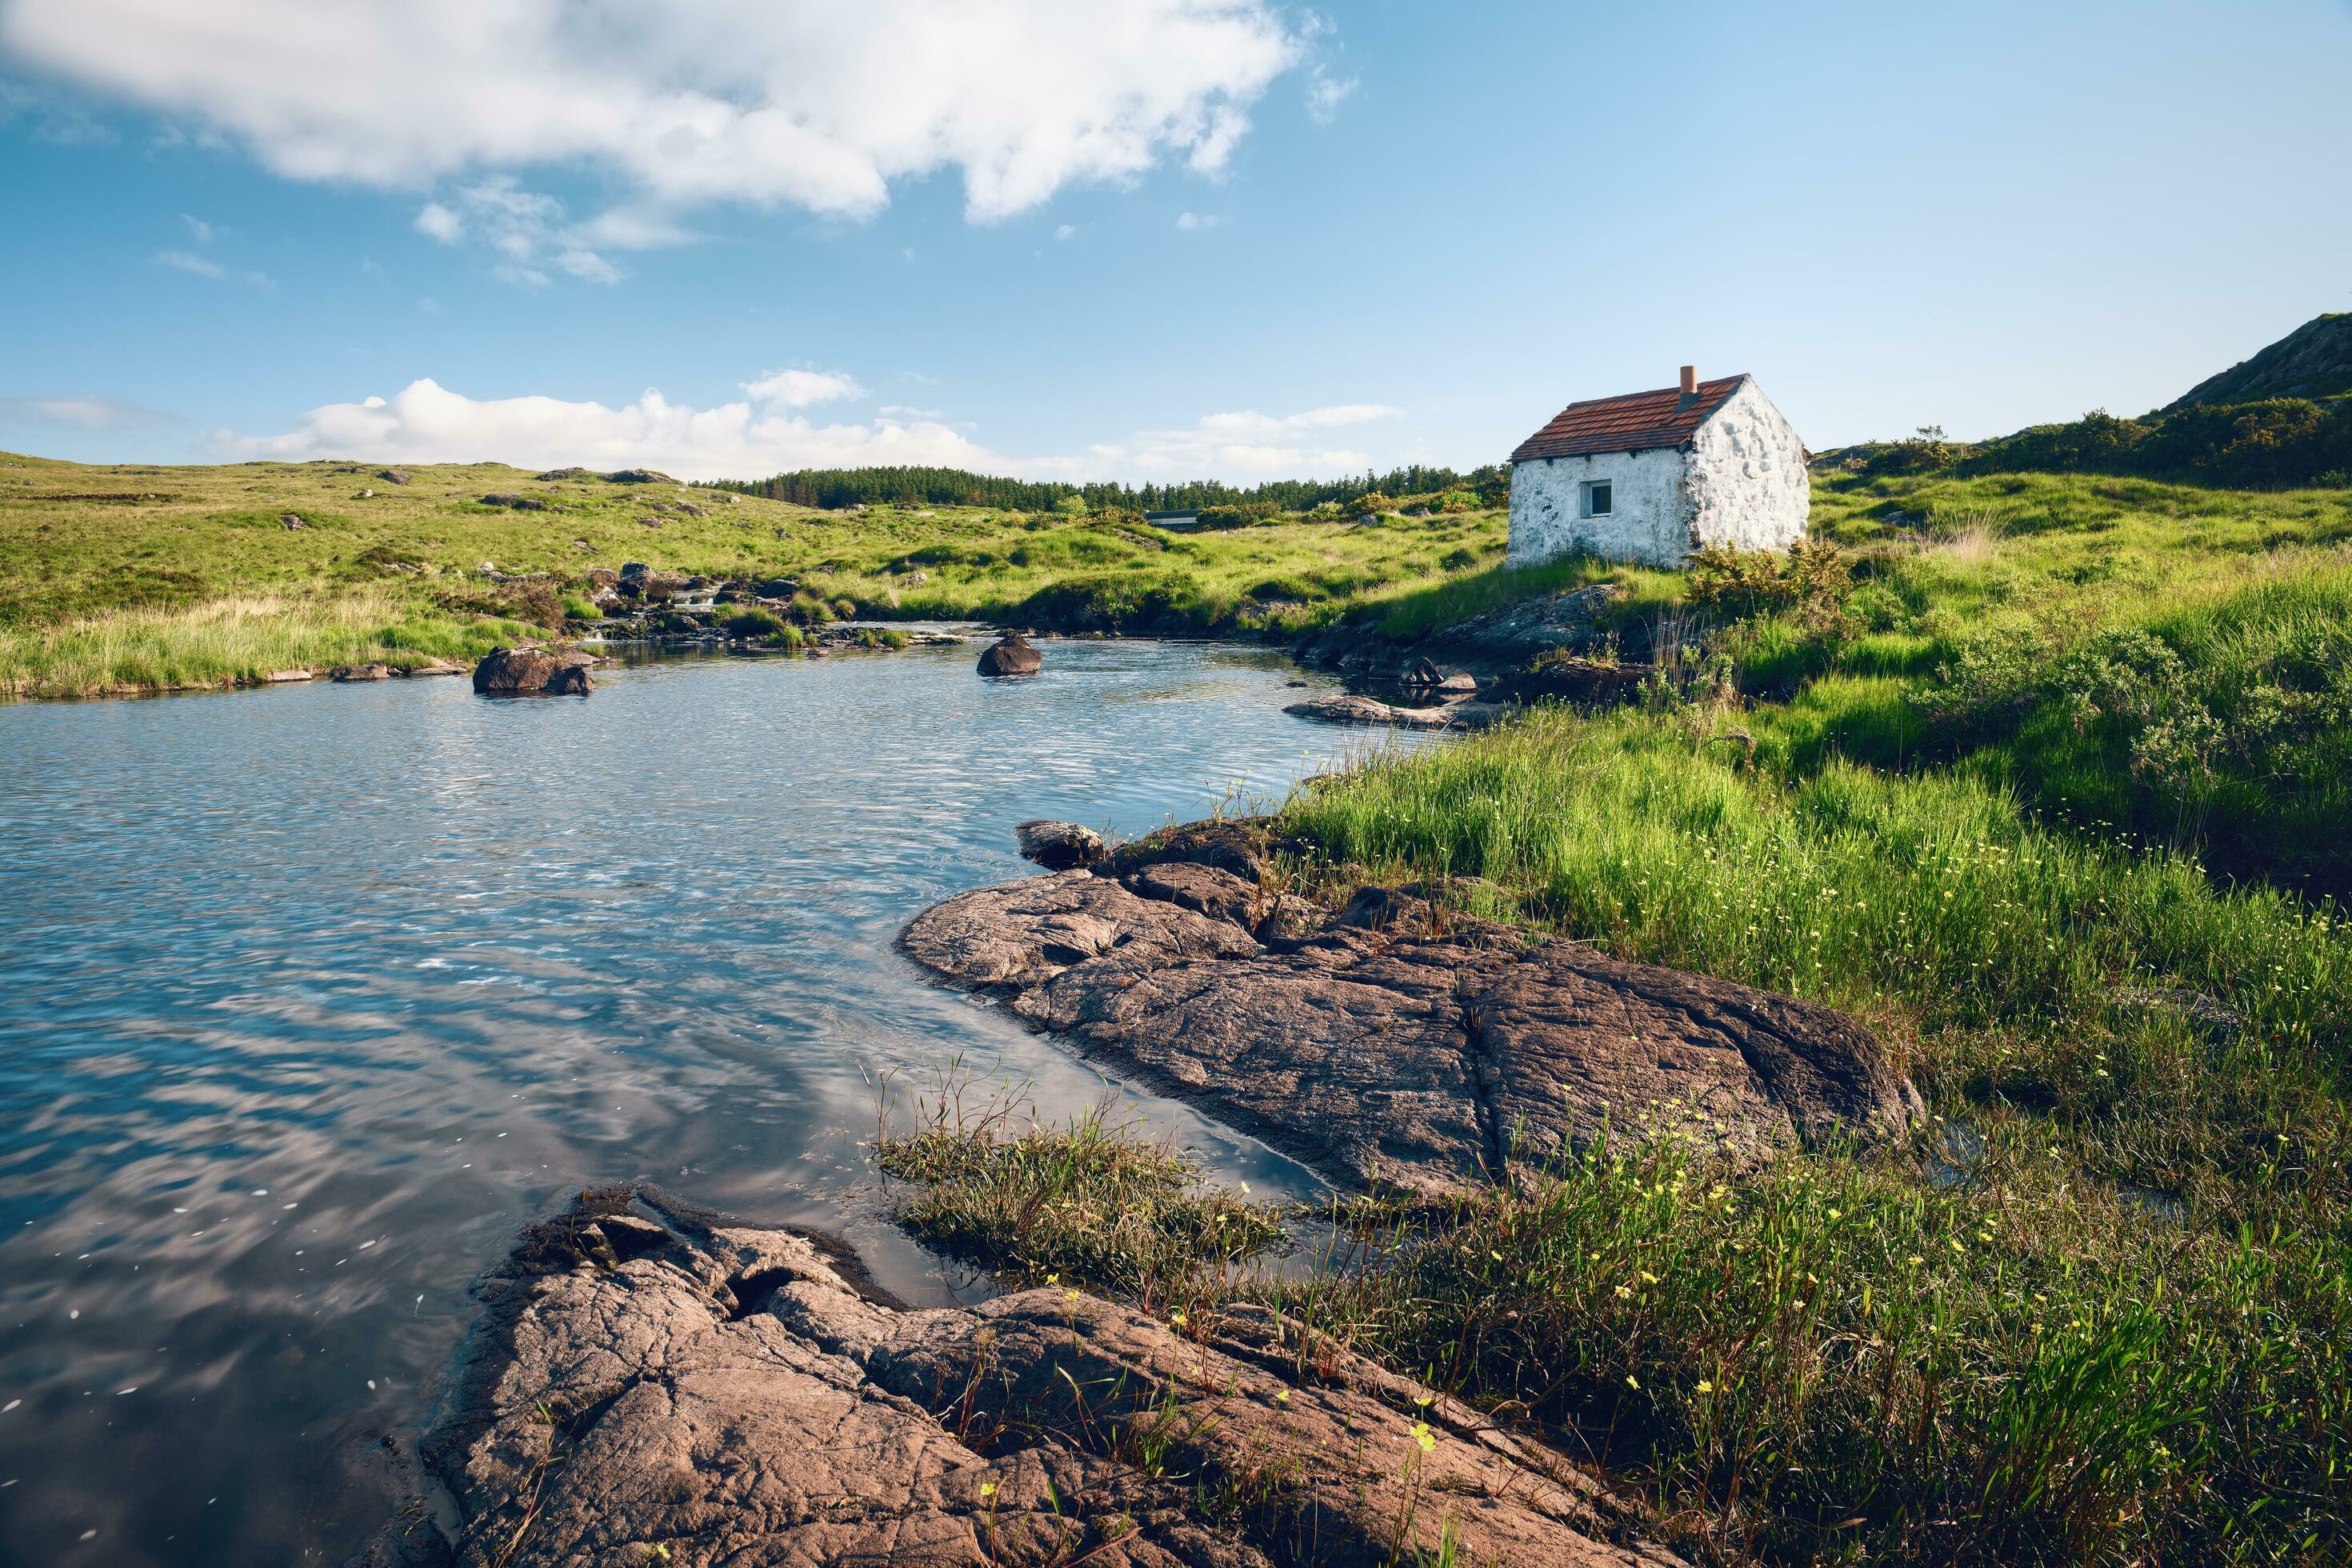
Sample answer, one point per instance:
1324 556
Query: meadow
1962 774
141 578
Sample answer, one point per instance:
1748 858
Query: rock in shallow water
1346 709
647 1383
1013 655
1059 846
516 671
1386 1046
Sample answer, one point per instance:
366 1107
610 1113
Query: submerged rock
1385 1044
430 667
647 1382
1013 655
1059 846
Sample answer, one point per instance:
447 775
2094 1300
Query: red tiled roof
1633 422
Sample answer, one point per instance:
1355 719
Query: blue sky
1170 239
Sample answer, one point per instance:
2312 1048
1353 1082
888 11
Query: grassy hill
139 578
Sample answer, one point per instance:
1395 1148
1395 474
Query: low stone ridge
647 1382
1013 655
349 672
1387 1046
639 476
393 476
1345 708
514 502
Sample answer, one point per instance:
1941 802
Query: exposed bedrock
1384 1045
650 1384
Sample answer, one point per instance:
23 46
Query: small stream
309 996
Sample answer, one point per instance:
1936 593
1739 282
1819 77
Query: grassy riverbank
131 577
1956 781
2100 1312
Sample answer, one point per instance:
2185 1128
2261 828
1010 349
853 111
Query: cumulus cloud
803 101
801 388
766 433
425 423
441 223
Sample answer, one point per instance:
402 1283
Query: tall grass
228 642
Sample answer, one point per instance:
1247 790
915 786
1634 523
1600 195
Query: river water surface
311 997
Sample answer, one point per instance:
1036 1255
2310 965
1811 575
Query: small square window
1599 498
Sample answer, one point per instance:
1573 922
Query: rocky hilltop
2313 361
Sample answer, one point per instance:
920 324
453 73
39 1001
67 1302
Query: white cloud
199 227
1066 232
1190 221
907 411
1326 93
803 388
686 101
438 222
189 262
84 413
425 423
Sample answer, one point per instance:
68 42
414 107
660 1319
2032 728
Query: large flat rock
1388 1046
645 1384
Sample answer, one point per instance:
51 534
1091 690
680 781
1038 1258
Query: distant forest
833 488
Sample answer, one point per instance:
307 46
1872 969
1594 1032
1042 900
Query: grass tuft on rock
1088 1203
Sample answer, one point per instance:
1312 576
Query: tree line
837 487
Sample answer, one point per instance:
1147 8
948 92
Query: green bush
749 622
577 607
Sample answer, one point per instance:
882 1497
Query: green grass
2100 1312
81 546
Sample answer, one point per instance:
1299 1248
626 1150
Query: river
309 996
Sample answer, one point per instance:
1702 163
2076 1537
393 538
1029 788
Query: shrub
749 623
578 607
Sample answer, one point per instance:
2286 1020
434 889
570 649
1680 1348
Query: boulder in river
1013 654
1388 1043
1059 846
571 680
369 671
650 1382
505 671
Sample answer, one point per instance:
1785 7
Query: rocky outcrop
1500 641
284 676
1013 655
1388 1045
1059 846
2313 361
430 666
514 502
291 522
393 476
648 1383
639 476
349 672
1344 708
518 671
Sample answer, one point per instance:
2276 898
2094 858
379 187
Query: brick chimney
1690 381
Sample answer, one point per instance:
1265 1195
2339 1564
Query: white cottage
1653 475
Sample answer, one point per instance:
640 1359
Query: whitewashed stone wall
1650 512
1742 483
1749 487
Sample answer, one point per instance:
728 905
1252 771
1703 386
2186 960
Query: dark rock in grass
517 504
393 476
1588 682
648 1382
1059 846
290 522
1345 708
1389 1045
347 672
1015 655
639 476
573 473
